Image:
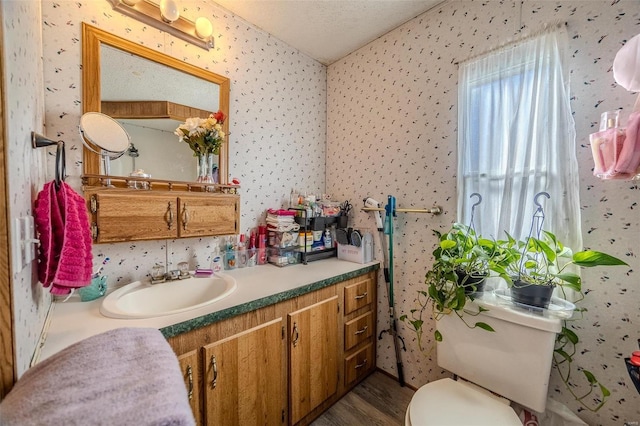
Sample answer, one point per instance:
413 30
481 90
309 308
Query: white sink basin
144 300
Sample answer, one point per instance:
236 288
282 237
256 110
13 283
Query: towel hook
61 166
39 141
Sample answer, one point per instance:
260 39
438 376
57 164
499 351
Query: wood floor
378 400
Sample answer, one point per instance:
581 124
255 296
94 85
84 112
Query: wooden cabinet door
202 215
119 218
313 356
191 373
244 380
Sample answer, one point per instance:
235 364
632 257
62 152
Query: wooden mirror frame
92 38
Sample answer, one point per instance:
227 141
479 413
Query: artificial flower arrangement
204 135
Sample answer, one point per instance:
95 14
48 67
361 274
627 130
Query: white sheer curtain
516 137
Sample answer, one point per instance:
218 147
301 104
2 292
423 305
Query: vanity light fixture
166 17
169 11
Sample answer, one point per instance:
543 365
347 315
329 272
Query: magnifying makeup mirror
103 135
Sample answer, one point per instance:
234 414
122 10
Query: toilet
494 369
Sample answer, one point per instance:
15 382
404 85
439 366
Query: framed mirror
145 91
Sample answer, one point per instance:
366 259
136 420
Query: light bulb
204 29
169 10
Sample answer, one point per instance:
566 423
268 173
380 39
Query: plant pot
538 296
472 283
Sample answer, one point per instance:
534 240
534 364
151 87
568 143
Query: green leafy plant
462 261
548 262
541 261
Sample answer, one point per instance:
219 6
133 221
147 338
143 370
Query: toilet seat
448 402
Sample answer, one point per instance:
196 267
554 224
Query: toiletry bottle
241 252
262 245
230 254
251 250
328 243
216 258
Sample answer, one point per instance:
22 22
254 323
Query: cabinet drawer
358 295
358 365
358 330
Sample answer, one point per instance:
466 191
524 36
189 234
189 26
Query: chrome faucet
158 274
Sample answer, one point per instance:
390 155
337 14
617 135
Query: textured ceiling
327 30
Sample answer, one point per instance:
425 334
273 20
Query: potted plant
543 264
462 262
536 267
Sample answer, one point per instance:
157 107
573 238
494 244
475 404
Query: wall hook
475 194
535 198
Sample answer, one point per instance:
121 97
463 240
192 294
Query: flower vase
205 168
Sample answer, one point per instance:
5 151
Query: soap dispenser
216 258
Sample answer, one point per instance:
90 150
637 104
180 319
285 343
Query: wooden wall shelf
91 181
151 109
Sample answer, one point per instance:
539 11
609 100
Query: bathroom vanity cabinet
284 363
123 215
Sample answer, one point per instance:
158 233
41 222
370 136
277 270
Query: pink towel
62 222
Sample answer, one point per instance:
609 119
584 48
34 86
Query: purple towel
127 376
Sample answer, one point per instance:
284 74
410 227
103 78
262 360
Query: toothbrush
104 262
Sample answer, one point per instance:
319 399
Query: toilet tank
513 361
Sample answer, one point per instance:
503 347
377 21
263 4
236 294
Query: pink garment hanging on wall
616 150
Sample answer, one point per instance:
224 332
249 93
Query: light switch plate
16 245
23 242
29 235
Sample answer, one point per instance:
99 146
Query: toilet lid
447 402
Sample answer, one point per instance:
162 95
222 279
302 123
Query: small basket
96 289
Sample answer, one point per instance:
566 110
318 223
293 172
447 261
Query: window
516 137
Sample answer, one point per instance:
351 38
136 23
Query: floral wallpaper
392 109
387 113
26 168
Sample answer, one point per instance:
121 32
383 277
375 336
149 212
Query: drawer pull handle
296 334
359 366
361 296
168 217
185 217
214 365
190 378
362 330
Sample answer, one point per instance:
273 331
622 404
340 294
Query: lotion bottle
328 243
